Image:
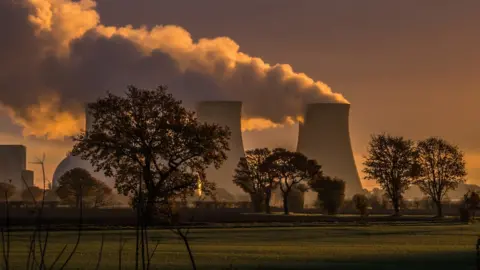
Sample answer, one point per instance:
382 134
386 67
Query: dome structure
72 162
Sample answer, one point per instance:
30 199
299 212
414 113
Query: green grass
336 247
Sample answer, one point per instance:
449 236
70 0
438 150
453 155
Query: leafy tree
391 162
7 190
32 194
102 195
361 203
471 203
441 168
148 136
251 179
289 169
75 186
331 192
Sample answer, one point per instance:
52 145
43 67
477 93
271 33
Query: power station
72 162
13 166
325 137
225 113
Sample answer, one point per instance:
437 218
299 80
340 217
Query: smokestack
225 113
325 136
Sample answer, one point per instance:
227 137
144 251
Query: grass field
336 247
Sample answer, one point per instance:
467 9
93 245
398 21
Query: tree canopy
76 185
7 190
290 169
330 192
251 179
149 135
391 162
441 168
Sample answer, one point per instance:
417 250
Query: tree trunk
438 204
285 204
396 207
268 197
190 254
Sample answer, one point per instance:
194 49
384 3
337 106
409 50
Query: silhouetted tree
32 194
76 185
102 195
148 136
441 168
259 184
290 169
391 162
361 203
7 190
471 202
331 192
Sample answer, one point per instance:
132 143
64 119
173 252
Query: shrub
331 193
361 203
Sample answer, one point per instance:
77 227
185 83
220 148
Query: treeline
77 186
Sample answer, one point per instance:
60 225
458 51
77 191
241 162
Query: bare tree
391 162
441 168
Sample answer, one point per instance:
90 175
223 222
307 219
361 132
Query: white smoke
67 54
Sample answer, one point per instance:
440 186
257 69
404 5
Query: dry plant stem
44 250
6 250
100 253
58 257
121 245
78 235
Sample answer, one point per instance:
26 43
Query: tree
441 168
102 195
148 137
251 179
7 190
330 192
289 169
32 194
391 162
471 203
75 186
361 203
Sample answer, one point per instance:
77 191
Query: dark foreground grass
373 247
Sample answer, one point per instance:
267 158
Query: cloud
59 49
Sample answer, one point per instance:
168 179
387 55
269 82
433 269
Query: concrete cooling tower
225 113
71 162
325 136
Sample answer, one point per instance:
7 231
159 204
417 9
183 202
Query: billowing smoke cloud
58 56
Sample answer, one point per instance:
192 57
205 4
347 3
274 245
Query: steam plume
58 48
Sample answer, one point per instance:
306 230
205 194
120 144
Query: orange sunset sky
408 68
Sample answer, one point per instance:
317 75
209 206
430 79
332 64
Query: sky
408 68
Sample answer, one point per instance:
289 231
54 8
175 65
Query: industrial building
325 137
225 113
13 166
72 162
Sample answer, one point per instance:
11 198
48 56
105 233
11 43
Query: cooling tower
72 162
225 113
13 161
325 136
